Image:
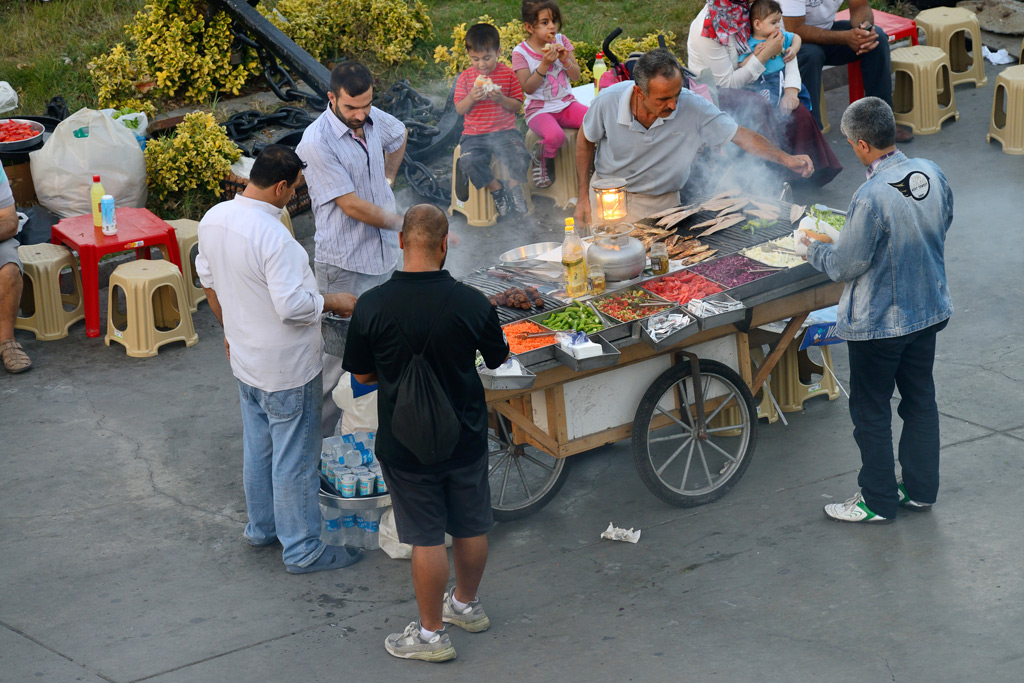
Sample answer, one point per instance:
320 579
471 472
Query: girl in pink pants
545 65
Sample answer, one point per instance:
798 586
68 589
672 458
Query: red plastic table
897 28
137 229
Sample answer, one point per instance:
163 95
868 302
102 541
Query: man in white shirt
830 42
352 152
14 358
259 284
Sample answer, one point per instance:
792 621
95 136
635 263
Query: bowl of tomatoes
19 133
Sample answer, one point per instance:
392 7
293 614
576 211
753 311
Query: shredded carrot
515 332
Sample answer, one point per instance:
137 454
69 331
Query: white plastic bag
62 170
8 98
140 130
389 542
359 414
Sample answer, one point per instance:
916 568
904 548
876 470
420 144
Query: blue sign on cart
821 329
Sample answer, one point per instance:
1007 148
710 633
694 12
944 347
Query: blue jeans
281 441
876 367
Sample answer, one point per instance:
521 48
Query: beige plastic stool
478 206
790 391
948 28
922 96
286 218
187 232
154 294
44 307
566 185
1007 125
826 127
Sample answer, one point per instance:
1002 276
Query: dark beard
350 124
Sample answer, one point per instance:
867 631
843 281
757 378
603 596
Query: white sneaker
409 644
472 618
854 510
908 502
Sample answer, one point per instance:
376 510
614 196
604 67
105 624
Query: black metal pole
315 74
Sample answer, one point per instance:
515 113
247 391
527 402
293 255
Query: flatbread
677 218
724 223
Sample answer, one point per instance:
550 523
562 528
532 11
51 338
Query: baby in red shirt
489 96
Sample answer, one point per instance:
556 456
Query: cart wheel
680 463
523 479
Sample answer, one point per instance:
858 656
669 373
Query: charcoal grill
490 286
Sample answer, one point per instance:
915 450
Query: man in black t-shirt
452 496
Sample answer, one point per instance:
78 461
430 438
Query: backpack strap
430 334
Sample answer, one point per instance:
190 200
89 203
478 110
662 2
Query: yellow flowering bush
197 156
384 30
115 76
185 52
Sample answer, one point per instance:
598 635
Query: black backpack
424 420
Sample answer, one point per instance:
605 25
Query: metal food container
509 382
649 294
719 319
534 356
335 330
37 127
688 330
609 357
527 255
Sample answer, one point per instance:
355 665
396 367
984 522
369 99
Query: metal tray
721 318
543 316
36 126
334 330
609 357
381 500
509 382
534 356
676 337
618 329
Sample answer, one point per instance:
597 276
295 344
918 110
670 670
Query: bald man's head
424 228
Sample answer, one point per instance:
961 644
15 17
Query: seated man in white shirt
14 358
830 42
260 286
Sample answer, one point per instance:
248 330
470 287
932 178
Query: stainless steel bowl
527 256
27 142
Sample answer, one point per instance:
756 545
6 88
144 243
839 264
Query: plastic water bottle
599 68
96 193
356 457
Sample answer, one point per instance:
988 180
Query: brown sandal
14 357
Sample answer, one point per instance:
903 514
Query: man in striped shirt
352 154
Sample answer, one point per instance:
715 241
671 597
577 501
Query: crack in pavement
60 654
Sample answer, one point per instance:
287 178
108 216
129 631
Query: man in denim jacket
890 255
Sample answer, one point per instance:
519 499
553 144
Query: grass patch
48 45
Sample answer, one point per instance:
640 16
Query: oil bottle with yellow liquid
574 265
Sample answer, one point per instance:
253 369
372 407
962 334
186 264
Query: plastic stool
154 294
826 127
948 28
478 206
187 232
1007 125
923 95
566 186
43 305
286 218
789 389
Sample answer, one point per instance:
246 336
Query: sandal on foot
14 357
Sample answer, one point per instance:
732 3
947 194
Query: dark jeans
507 145
874 67
876 366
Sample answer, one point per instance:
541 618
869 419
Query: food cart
686 402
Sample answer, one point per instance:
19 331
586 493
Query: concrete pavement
121 511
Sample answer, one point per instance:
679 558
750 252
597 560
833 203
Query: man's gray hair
655 63
870 119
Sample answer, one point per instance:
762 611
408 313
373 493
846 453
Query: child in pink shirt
545 65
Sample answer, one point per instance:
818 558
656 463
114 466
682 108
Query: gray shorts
9 253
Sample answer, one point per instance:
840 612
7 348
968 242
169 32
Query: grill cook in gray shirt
649 131
352 154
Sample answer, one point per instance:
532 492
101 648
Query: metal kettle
620 256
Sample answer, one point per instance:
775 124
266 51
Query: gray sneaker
409 644
518 199
472 619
